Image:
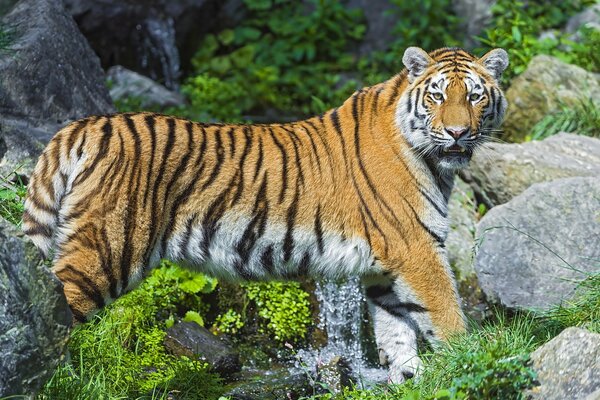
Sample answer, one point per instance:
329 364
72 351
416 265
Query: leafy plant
282 56
517 25
229 322
283 306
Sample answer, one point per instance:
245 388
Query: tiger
361 190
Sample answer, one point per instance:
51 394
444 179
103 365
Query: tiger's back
344 194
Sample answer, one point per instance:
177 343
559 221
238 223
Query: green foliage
284 54
120 354
583 119
583 310
229 322
517 25
12 196
283 306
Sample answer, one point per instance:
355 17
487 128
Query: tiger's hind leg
94 268
418 300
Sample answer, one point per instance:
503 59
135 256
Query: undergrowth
120 354
583 119
12 196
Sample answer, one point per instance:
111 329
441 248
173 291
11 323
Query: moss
283 307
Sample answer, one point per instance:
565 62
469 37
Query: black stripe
433 203
219 161
102 152
288 241
284 169
241 169
106 262
259 161
231 135
267 260
319 230
150 124
39 229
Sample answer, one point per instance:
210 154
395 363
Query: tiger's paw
403 370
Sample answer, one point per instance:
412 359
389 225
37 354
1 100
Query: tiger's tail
49 184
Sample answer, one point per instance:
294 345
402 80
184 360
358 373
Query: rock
568 367
475 16
125 84
273 385
50 76
534 249
590 17
6 5
461 238
191 340
503 171
149 36
335 375
52 73
380 24
34 316
543 88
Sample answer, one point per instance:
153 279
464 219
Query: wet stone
273 385
191 340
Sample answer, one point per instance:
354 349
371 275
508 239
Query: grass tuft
12 196
583 119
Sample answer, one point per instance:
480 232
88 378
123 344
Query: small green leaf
193 316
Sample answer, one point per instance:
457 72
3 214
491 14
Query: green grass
120 354
12 196
583 119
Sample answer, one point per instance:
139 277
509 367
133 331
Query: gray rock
543 88
125 84
191 340
475 16
50 73
568 367
335 375
534 249
34 316
590 17
503 171
273 385
50 76
151 36
461 238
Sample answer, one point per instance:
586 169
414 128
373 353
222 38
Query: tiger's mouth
454 150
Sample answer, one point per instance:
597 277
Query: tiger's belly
233 249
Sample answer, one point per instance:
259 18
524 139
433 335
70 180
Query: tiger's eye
437 96
474 97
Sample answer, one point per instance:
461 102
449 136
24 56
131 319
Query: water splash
158 44
341 316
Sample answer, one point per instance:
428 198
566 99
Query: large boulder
567 367
502 171
534 249
126 85
546 86
191 340
34 316
149 36
50 76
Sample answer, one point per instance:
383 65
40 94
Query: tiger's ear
416 60
495 61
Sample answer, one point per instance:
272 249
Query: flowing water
341 316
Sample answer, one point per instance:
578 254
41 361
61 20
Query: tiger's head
452 103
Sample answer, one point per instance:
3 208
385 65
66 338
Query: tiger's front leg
416 300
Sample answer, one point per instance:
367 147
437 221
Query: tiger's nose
456 131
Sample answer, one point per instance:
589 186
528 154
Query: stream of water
341 316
